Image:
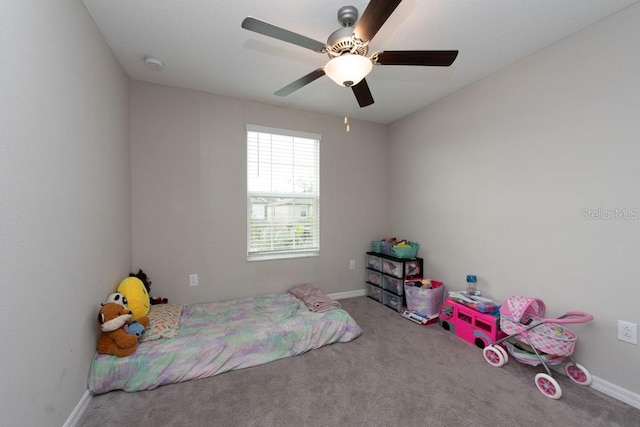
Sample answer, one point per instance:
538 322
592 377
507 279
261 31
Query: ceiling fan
348 46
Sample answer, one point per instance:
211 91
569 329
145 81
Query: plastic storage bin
394 268
392 300
424 301
374 262
392 284
405 252
388 274
387 247
374 277
373 292
413 268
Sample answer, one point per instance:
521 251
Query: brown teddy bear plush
114 339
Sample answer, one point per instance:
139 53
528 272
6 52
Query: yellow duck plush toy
137 299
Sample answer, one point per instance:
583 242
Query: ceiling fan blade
258 26
373 17
362 93
437 58
303 81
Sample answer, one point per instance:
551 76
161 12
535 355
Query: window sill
279 256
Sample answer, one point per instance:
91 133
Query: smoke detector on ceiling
154 63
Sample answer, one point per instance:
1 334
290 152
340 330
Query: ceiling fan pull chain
347 127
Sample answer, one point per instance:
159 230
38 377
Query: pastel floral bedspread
222 336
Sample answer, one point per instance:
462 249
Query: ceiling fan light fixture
348 69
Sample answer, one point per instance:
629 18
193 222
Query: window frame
274 254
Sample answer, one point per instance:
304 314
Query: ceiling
204 47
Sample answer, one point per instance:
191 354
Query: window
283 193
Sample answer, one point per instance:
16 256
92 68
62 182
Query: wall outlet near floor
627 332
352 264
193 280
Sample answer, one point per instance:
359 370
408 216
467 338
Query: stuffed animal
135 328
118 298
137 298
114 339
147 284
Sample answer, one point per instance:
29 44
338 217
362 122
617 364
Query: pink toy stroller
534 340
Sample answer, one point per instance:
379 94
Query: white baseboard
348 294
75 416
616 392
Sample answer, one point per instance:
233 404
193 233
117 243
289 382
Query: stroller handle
571 317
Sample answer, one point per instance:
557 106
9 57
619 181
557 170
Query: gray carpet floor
397 373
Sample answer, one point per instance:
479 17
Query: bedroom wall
515 179
64 203
189 195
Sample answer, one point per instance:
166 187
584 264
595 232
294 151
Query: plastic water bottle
471 285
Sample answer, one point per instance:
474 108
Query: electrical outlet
627 332
193 280
352 264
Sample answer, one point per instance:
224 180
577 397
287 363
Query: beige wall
65 211
504 169
490 181
189 195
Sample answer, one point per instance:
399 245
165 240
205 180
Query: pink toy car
481 329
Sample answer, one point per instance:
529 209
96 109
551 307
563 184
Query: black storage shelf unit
385 276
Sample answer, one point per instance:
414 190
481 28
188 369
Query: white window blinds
283 193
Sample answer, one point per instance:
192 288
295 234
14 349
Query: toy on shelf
398 248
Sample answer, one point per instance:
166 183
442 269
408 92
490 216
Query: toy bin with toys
391 246
424 296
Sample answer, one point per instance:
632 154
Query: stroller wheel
503 351
548 386
494 356
578 373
